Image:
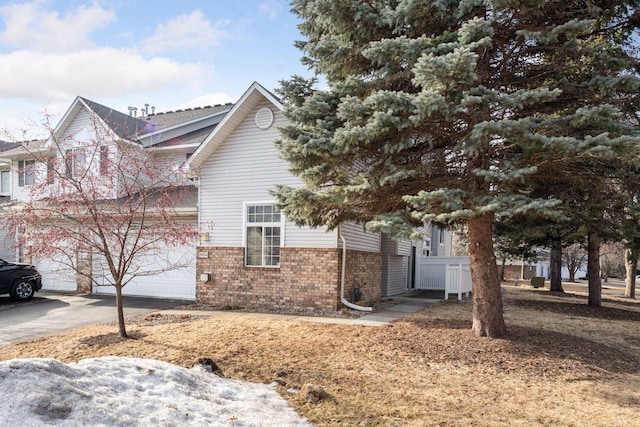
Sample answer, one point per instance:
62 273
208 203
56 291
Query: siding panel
244 168
397 275
360 240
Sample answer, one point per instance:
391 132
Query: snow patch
119 391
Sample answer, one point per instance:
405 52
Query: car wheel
21 290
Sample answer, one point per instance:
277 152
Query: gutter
343 275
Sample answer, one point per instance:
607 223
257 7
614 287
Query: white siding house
171 137
249 254
237 166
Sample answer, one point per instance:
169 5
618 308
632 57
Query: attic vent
264 118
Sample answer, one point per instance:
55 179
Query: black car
19 280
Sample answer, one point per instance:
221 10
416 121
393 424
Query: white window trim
8 192
426 247
244 232
24 172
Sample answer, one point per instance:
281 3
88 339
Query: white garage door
55 276
7 252
177 283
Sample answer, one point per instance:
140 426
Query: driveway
50 312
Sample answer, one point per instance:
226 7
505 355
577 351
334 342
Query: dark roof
123 125
172 118
7 145
195 137
128 127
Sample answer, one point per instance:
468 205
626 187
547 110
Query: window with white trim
26 172
263 224
426 247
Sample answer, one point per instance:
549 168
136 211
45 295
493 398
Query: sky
120 53
117 391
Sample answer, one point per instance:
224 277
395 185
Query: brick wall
308 279
364 270
512 272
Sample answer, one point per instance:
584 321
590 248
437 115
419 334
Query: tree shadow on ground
578 309
526 349
105 340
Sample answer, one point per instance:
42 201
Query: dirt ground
563 363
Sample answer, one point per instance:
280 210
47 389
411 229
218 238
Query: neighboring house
7 250
254 257
249 255
172 136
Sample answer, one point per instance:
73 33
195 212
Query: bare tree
574 258
612 260
105 208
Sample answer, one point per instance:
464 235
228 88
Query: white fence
451 274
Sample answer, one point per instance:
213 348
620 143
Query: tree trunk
555 267
593 270
502 268
488 317
631 267
121 328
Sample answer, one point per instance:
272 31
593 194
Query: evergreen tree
436 110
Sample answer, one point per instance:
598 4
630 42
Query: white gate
450 274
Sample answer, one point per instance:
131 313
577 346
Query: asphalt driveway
50 312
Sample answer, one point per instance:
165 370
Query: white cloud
98 73
185 32
271 8
30 26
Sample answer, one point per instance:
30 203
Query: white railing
451 274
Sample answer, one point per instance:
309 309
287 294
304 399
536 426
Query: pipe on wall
343 276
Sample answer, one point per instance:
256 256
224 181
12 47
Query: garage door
55 276
7 252
177 283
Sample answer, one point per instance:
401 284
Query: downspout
343 276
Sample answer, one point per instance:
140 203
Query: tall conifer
440 110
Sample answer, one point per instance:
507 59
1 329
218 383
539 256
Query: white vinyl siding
396 274
19 193
358 239
395 247
246 166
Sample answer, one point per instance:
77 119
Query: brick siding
512 272
307 280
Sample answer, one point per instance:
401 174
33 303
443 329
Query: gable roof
124 125
254 95
4 145
181 127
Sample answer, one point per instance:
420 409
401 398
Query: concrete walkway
405 307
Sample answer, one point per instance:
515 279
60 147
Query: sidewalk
384 317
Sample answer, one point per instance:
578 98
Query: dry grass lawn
563 364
